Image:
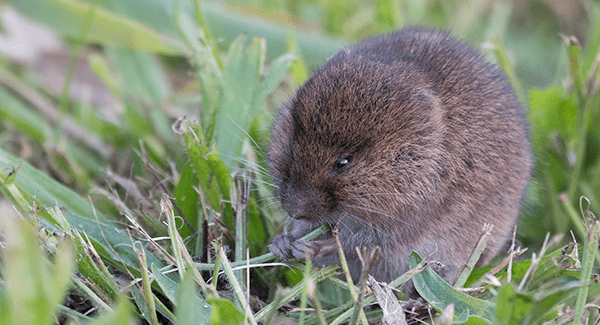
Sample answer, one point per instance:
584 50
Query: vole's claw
288 247
282 246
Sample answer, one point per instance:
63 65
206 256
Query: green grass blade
237 289
316 276
191 309
222 175
508 69
46 191
25 119
143 76
166 284
33 286
224 312
197 150
147 286
186 198
241 80
121 315
511 306
244 93
589 251
228 26
479 248
440 294
277 70
298 70
32 183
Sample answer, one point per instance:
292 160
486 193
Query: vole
407 141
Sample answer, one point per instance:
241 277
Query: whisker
253 164
396 194
248 136
362 230
365 223
269 203
258 181
375 211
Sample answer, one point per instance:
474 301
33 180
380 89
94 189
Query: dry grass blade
392 311
446 317
535 261
182 256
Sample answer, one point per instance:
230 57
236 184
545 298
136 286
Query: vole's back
412 142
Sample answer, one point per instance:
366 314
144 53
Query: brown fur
436 145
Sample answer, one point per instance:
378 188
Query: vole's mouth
299 216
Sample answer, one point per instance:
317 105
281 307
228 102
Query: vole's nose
299 216
301 205
296 210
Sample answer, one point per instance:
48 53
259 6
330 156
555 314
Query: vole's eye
343 162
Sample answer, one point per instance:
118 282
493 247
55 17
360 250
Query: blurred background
107 105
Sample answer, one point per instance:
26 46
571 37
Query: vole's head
360 138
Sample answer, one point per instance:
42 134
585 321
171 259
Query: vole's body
409 141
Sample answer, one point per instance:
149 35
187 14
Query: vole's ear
430 102
279 147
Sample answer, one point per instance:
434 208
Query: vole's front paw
288 247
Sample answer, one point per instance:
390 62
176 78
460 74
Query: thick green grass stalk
589 251
508 69
147 287
305 289
315 276
240 190
206 34
479 248
265 257
167 208
237 289
354 291
580 228
279 294
368 261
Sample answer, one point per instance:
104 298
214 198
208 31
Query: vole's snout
302 205
299 216
295 211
